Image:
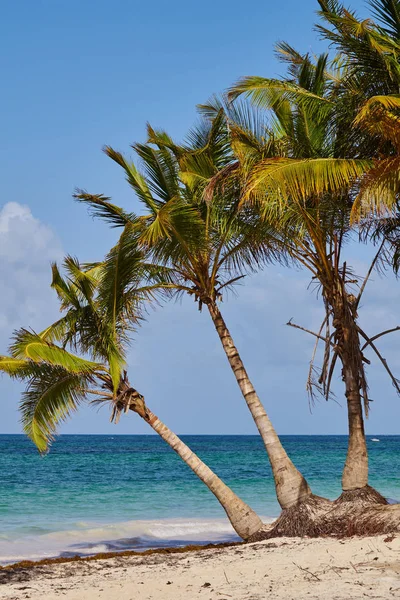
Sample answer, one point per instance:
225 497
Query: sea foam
87 538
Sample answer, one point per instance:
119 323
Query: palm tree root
366 496
299 520
359 512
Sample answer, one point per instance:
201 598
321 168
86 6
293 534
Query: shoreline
283 568
83 539
30 564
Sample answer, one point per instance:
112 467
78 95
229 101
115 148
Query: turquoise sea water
104 493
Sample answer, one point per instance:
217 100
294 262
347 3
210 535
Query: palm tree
366 107
201 248
310 193
101 304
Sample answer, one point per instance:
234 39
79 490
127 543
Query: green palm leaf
134 177
67 294
388 14
49 399
270 93
16 368
379 190
300 179
379 116
29 345
100 207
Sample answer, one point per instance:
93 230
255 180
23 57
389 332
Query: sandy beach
283 569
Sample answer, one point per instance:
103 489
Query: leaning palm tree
101 304
201 248
310 192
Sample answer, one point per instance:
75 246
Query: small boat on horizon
375 440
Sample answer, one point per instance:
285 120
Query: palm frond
16 368
379 190
84 281
28 345
300 179
60 330
270 93
289 55
119 299
51 396
376 116
135 179
160 167
67 294
101 207
387 13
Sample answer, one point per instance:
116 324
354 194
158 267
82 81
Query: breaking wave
88 538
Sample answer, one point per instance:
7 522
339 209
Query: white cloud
27 248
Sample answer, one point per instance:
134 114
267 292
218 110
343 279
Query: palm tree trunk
291 487
355 472
243 519
348 346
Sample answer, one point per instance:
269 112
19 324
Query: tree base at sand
355 513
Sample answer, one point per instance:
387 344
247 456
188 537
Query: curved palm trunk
243 519
291 487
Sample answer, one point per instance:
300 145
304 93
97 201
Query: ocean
103 493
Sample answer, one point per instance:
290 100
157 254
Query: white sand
284 569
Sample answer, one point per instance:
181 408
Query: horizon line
211 434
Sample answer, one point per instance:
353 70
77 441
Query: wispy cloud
27 247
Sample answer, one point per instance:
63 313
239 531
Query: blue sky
78 75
